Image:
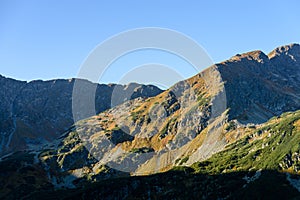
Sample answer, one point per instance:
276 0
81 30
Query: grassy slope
264 148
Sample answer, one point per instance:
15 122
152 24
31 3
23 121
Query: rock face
260 86
39 111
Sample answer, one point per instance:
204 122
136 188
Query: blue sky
50 39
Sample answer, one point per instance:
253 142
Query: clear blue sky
50 39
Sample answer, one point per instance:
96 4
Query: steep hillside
186 123
271 146
38 111
259 86
265 160
145 136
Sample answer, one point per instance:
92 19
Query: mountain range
221 134
37 112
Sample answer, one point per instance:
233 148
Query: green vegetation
141 150
164 131
257 151
116 128
201 99
135 115
177 160
230 126
184 160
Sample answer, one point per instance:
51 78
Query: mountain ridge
271 73
186 123
28 107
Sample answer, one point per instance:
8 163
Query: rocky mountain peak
288 53
259 86
256 55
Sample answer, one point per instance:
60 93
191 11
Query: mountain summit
259 86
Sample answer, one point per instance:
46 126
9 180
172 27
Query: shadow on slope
184 184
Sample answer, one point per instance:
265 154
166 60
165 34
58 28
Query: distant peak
293 50
252 55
